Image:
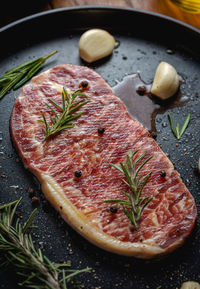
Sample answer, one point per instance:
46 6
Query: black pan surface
145 40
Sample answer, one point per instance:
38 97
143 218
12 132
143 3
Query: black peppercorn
113 209
163 174
84 84
101 130
141 90
78 174
154 135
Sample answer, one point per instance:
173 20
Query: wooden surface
22 8
160 6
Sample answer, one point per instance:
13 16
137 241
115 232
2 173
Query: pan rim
99 7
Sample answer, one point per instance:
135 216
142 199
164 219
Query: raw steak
169 217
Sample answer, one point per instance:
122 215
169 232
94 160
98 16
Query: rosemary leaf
5 88
29 221
19 75
134 206
142 183
28 75
171 124
52 108
177 130
56 105
7 205
77 107
20 67
119 201
141 166
117 168
178 134
185 124
69 107
17 250
143 206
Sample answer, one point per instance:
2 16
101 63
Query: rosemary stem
19 75
49 55
134 206
20 244
17 249
64 120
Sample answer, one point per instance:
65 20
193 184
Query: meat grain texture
169 217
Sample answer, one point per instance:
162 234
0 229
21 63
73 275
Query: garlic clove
190 285
166 81
95 44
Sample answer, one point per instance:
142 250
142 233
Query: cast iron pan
145 40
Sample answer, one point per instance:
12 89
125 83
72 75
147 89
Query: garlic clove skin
95 44
166 81
190 285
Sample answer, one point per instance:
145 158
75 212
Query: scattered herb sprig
17 249
20 74
176 131
69 106
135 204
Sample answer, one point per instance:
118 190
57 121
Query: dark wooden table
14 10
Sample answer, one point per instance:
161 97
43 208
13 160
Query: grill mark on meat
164 223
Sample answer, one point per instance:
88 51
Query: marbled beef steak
169 217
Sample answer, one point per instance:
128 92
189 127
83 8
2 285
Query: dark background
12 10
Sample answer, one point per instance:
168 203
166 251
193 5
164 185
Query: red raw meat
169 217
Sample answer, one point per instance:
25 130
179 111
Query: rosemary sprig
69 106
135 204
17 249
20 74
176 131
